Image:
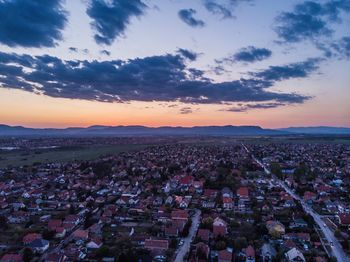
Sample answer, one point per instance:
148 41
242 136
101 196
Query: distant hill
229 130
139 131
318 130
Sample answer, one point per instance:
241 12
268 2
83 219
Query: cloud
187 16
34 23
341 48
218 9
188 54
293 70
251 54
110 19
310 20
186 110
73 49
105 52
163 78
223 8
247 107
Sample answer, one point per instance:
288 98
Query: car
324 224
181 243
331 244
159 258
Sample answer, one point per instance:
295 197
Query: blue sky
267 62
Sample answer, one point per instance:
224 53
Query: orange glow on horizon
31 110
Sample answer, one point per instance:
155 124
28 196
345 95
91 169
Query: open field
89 152
20 157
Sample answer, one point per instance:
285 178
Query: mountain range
228 130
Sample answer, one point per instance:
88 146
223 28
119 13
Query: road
185 248
337 249
67 238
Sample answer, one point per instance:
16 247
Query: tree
207 223
103 251
173 243
3 222
220 245
276 169
27 254
72 210
337 233
186 229
48 235
240 243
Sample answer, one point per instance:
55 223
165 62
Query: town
225 200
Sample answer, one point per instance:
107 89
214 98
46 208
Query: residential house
268 252
157 246
224 256
294 255
12 258
203 235
39 245
249 254
30 237
243 193
219 227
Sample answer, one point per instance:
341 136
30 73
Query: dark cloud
187 16
105 52
73 49
310 20
218 9
251 54
223 8
186 110
341 48
188 54
247 107
294 70
111 18
164 78
219 69
34 23
196 74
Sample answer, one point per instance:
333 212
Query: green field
21 158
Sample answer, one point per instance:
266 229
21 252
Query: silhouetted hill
318 130
139 131
229 130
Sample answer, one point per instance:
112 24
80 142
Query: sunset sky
271 63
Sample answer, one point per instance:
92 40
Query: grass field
20 158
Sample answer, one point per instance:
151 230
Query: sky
175 62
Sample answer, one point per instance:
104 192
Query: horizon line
171 126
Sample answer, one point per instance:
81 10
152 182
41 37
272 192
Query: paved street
188 240
337 249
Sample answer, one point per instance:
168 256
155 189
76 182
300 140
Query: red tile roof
225 255
219 230
203 234
31 237
344 219
243 192
186 180
156 244
81 234
54 223
179 214
250 252
11 258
